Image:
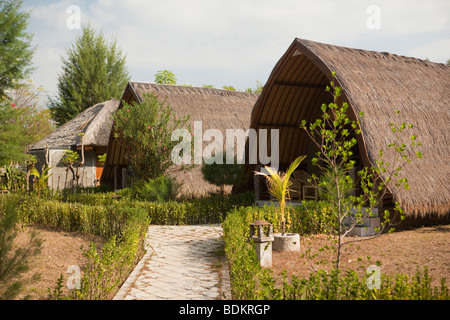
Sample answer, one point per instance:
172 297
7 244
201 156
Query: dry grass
59 250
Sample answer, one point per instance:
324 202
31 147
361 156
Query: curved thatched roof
94 122
216 108
376 83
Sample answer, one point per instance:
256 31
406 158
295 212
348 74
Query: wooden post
124 178
116 178
256 184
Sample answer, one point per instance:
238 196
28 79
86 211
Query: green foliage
41 180
222 174
70 158
106 271
93 71
13 179
14 137
36 121
159 189
13 260
278 185
251 282
15 45
165 77
258 89
147 128
230 88
102 159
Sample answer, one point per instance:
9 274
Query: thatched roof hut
94 122
216 108
93 125
377 84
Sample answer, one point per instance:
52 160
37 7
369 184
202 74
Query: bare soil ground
59 250
398 252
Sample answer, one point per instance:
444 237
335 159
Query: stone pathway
182 262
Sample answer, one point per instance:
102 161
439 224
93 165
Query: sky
232 42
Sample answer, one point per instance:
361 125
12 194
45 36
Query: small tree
278 185
72 162
146 129
334 136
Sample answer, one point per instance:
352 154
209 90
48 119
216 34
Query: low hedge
102 215
251 282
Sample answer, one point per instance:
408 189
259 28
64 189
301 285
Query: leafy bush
158 189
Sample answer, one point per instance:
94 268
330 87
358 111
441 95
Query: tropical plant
278 185
41 178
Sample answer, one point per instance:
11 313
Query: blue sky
234 42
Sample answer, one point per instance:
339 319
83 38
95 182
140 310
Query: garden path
181 263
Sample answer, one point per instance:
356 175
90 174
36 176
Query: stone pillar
263 242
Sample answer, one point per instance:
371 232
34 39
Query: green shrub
106 271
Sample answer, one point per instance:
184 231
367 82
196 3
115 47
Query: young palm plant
41 180
278 185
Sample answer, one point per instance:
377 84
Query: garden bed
398 252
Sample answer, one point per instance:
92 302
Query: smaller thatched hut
93 125
215 108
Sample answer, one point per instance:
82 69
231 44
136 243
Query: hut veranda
377 84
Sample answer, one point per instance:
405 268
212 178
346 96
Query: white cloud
233 42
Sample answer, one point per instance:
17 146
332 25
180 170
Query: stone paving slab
179 264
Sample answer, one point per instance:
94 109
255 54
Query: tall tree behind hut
93 71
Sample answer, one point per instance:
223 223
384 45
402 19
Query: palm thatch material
377 84
216 108
95 123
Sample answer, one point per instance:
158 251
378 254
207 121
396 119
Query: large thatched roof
376 83
216 108
95 122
